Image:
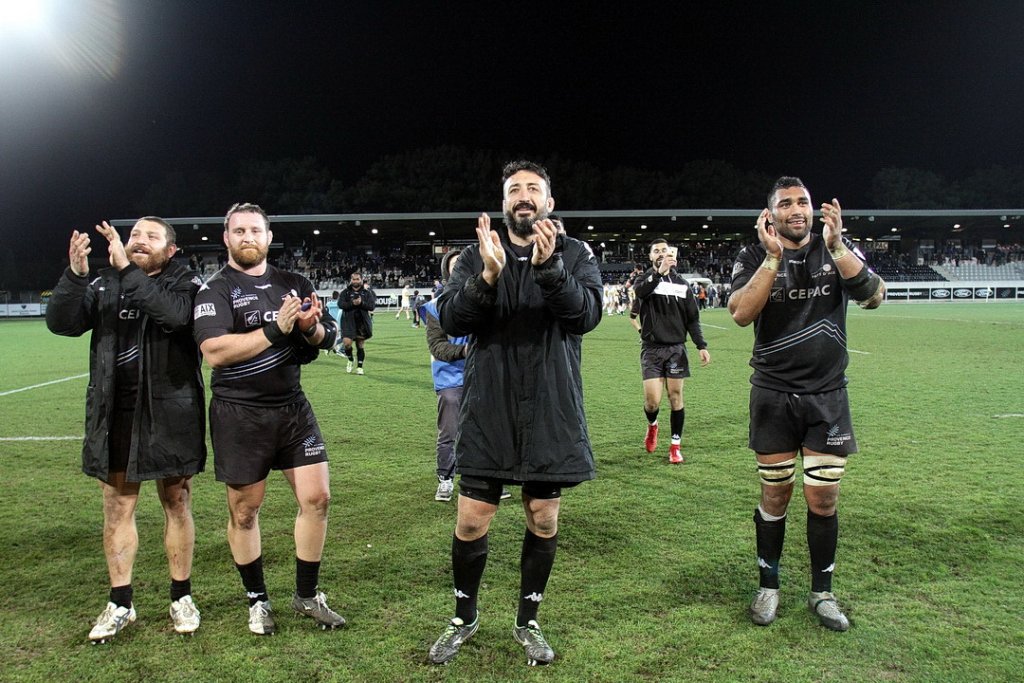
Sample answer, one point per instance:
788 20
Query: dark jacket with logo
357 321
522 408
169 425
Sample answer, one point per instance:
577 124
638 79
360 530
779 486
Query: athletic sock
180 589
770 535
675 421
348 354
252 579
121 595
534 567
361 355
468 561
307 574
652 416
822 538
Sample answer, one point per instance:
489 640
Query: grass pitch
655 563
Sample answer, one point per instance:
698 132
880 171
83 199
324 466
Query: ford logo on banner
983 293
940 293
962 293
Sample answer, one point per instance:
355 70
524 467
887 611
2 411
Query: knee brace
779 474
823 470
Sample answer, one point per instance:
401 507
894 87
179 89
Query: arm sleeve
71 309
168 306
211 315
646 283
573 296
693 327
437 341
467 302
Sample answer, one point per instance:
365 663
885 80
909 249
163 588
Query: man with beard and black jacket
667 311
144 405
356 302
256 326
526 296
794 285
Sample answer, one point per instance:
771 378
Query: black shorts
782 422
249 441
488 489
119 439
669 362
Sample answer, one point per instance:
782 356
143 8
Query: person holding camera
667 310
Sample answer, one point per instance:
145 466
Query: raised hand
832 217
78 253
309 317
491 251
767 235
289 313
118 256
545 236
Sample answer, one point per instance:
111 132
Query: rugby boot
827 610
675 456
765 606
455 634
110 622
532 639
185 615
317 609
261 618
651 440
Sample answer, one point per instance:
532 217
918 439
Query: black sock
822 538
180 589
652 415
252 579
534 567
770 536
121 595
468 561
361 355
676 420
306 576
348 353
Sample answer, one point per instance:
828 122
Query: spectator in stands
140 314
356 303
798 398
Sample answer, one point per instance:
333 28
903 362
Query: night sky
122 93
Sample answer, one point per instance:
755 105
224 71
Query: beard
249 256
150 263
523 227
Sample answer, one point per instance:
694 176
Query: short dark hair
172 237
659 240
513 167
784 183
446 262
245 207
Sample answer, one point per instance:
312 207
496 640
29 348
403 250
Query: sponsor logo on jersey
129 314
808 292
266 286
252 319
777 295
824 271
204 310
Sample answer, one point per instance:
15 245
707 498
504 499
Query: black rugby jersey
232 302
126 364
800 334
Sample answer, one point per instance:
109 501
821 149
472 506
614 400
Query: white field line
1010 415
40 438
866 353
867 314
717 327
44 384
